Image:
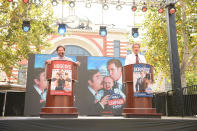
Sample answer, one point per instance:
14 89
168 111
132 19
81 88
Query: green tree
155 37
15 44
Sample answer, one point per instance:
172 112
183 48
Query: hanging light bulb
88 4
72 4
26 26
103 31
172 9
144 8
135 32
119 7
26 1
62 29
134 8
54 2
160 10
105 6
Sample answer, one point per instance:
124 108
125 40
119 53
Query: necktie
137 59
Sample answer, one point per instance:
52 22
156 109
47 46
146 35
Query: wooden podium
60 105
136 107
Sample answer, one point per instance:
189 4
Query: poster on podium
61 82
142 80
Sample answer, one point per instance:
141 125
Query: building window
116 48
72 50
129 52
22 75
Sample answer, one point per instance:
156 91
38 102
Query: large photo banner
61 82
105 84
98 91
142 80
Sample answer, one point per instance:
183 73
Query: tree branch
185 40
189 63
6 25
184 64
193 51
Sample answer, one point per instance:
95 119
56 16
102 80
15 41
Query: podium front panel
142 80
61 78
127 72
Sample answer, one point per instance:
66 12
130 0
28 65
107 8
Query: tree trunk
186 51
183 80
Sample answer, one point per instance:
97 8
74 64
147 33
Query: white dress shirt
131 59
62 58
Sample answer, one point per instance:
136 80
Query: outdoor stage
97 124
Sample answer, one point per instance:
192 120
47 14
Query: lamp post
174 58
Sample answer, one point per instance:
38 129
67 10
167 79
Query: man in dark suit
114 67
40 85
95 105
37 94
139 86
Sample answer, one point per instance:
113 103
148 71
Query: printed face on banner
40 85
105 82
61 82
142 80
111 95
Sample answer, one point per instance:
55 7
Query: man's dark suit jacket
92 108
35 107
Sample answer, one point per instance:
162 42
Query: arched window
73 50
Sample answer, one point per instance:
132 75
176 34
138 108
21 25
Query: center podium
137 80
61 76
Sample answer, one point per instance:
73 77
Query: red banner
115 102
61 82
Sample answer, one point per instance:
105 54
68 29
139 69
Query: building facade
80 42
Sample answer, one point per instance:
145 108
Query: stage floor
84 123
98 117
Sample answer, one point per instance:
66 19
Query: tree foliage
15 44
155 37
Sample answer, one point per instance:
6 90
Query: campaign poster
61 82
105 84
142 80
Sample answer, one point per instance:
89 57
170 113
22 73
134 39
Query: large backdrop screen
99 89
